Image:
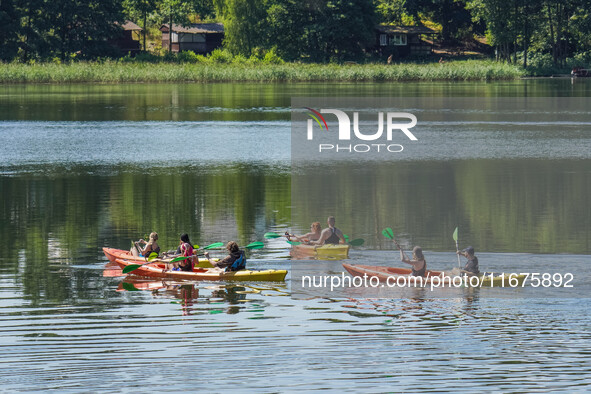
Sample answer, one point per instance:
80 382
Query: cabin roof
195 28
391 29
129 25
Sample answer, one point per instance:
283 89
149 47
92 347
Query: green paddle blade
357 242
294 243
255 245
388 233
346 238
272 235
131 267
214 245
152 256
129 286
180 258
455 236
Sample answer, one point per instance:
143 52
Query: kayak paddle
294 243
388 233
131 267
357 242
272 235
455 237
255 245
213 246
129 287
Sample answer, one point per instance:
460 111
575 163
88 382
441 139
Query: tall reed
112 72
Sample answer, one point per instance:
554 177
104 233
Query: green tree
320 31
391 11
140 10
244 25
452 15
566 20
82 27
9 30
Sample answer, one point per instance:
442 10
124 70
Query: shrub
271 57
220 56
187 57
540 64
144 57
582 59
240 59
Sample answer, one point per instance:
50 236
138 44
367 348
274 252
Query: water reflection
236 101
501 206
64 327
200 297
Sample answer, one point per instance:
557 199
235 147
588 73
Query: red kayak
113 254
383 273
393 274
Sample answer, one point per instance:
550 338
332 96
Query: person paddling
418 262
146 251
185 249
314 234
330 235
471 267
235 261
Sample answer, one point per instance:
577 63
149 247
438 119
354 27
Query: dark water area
85 166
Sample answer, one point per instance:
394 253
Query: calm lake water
82 167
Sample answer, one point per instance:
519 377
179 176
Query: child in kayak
146 251
235 261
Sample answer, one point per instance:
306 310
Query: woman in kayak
313 235
418 262
185 249
146 251
235 261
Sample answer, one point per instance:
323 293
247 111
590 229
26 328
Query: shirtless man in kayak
330 235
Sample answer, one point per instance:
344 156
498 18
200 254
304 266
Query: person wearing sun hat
471 267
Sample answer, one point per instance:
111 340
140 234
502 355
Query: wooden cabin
402 41
129 40
201 38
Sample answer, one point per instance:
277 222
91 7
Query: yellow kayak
159 270
324 252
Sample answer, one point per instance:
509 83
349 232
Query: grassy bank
110 72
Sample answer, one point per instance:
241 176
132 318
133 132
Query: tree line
308 30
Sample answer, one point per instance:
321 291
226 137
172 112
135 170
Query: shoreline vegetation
202 72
